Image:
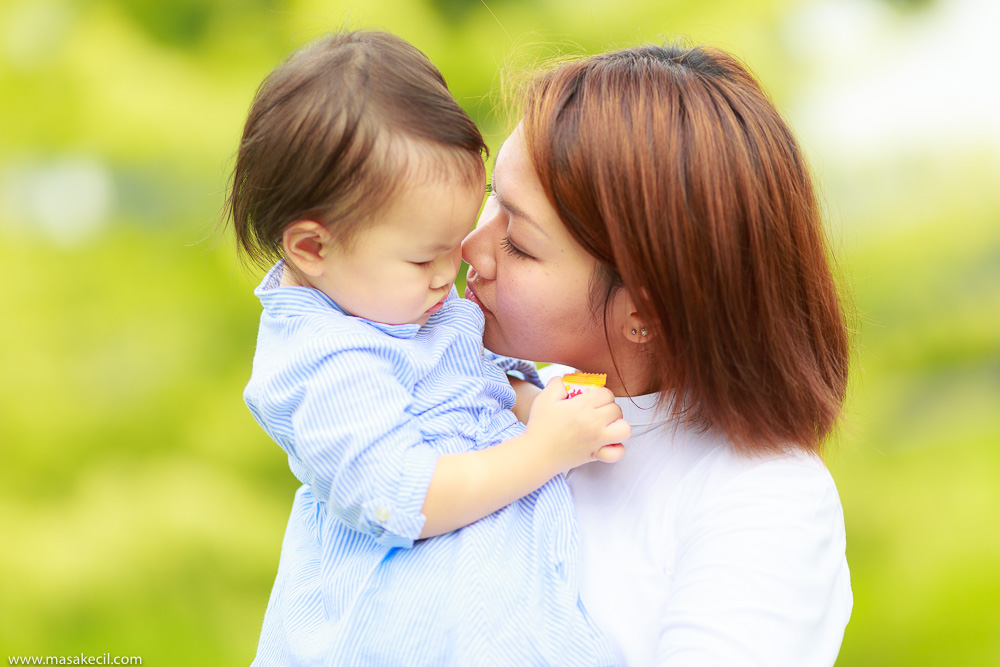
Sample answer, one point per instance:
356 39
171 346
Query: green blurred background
141 509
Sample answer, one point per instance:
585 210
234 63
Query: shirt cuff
398 523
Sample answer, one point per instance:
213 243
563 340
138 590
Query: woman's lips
471 295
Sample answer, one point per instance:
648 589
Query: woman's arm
525 394
760 576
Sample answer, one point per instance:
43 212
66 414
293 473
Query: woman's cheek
527 320
508 309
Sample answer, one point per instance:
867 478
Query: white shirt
693 555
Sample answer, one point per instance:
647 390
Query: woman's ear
633 325
306 243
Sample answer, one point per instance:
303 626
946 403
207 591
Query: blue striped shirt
363 410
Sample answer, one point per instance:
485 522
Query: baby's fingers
618 431
595 397
609 413
610 453
553 393
555 390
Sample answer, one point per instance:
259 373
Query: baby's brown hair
330 136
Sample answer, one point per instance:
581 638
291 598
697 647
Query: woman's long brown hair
671 166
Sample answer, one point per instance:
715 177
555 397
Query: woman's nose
477 251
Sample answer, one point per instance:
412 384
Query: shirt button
383 514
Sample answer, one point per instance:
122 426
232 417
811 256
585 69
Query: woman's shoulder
782 492
792 469
703 465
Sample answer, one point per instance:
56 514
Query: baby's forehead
435 199
421 162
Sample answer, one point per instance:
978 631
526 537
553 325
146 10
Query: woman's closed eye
512 249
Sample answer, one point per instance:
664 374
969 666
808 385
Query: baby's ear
305 243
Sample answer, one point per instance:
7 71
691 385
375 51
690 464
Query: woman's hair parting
671 167
334 132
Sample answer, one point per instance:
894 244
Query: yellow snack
577 383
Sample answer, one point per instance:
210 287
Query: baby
357 177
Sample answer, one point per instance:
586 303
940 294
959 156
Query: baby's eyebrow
436 248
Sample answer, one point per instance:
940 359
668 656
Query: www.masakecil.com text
82 659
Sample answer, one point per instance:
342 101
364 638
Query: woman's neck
628 374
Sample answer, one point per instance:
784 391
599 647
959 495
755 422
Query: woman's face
531 279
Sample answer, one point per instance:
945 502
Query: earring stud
642 332
633 332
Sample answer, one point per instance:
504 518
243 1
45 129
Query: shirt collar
283 301
641 410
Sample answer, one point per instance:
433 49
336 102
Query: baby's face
401 269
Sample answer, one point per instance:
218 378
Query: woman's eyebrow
517 212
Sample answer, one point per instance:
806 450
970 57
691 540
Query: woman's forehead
519 192
515 182
513 147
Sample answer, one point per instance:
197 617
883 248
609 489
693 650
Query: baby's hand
576 430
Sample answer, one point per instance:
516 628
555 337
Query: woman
652 218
